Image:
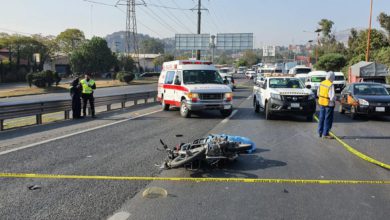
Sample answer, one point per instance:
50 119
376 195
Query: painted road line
75 133
188 179
356 152
228 118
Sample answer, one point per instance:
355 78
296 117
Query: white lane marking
228 118
119 216
76 133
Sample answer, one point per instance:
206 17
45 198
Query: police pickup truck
283 95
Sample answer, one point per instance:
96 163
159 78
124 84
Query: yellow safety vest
87 89
323 98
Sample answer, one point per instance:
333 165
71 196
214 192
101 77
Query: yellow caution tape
358 153
188 179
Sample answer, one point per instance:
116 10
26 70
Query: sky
273 22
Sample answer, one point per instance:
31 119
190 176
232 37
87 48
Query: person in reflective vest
326 101
88 85
75 93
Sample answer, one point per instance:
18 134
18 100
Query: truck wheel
226 113
184 111
256 106
164 106
341 109
268 115
309 118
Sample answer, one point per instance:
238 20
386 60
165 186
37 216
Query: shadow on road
239 168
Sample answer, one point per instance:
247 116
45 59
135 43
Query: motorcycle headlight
276 96
363 102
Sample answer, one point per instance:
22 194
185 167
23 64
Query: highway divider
37 109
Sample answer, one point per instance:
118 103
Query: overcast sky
273 22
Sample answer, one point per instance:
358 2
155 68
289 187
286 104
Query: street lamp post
318 31
369 34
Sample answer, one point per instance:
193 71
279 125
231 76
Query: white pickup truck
284 95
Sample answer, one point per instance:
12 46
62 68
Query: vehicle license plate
380 109
226 107
295 105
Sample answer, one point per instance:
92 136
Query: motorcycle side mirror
308 86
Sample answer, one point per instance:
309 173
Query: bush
43 79
331 62
125 77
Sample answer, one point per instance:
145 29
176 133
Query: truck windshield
366 89
290 83
224 70
317 79
338 78
201 77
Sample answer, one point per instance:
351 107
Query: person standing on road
75 93
88 86
326 100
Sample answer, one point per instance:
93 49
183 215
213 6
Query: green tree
225 59
384 21
93 56
326 26
383 56
152 46
331 62
70 39
126 63
158 61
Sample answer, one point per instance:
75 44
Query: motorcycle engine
213 150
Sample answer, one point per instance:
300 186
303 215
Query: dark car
365 99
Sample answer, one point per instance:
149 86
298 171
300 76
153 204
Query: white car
284 95
314 79
193 86
339 81
250 74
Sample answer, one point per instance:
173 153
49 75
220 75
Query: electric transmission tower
131 29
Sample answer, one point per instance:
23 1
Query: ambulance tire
184 111
226 113
164 106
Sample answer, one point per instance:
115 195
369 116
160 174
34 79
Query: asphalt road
287 148
65 95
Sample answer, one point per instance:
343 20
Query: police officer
88 86
326 100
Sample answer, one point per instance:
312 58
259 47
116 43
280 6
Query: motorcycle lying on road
212 149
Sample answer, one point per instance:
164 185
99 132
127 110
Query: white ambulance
193 85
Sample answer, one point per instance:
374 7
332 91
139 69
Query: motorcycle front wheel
181 161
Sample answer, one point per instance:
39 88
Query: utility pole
369 34
199 23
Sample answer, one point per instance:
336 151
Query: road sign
269 51
192 41
235 41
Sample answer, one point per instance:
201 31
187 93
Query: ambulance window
169 77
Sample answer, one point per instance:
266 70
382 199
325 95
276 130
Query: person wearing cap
88 85
326 100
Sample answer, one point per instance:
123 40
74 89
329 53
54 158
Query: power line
185 14
175 19
156 17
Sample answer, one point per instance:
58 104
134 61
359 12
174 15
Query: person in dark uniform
75 93
88 85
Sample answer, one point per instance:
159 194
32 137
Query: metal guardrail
39 108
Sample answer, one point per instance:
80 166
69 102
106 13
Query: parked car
365 99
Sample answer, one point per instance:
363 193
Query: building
146 62
60 63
